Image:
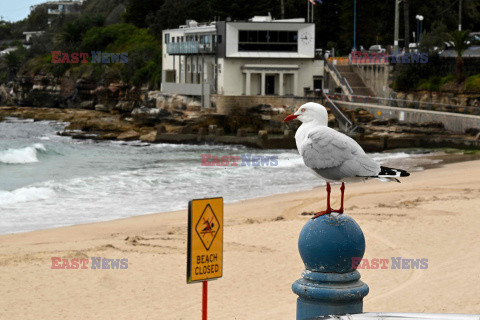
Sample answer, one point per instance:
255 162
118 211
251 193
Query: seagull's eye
303 110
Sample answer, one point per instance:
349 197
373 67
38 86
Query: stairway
356 83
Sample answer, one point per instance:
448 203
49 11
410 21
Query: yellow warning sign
205 239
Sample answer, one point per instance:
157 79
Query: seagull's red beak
290 118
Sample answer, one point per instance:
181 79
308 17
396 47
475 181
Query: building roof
473 51
193 26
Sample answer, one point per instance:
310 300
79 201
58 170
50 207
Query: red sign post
205 244
204 300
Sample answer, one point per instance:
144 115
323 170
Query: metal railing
358 57
402 316
190 47
342 119
402 103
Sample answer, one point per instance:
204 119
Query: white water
50 181
22 155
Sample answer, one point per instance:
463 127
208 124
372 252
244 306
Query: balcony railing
189 47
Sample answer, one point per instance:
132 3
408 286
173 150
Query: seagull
334 156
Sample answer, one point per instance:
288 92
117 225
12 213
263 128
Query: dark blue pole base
323 294
310 309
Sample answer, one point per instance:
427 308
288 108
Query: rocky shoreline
118 111
263 128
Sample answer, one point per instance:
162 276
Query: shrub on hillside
473 83
407 76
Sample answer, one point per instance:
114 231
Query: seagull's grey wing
335 156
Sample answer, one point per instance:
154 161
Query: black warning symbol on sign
207 227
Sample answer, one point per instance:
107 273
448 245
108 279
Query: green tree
406 23
12 62
184 9
72 33
245 9
138 10
460 43
435 38
38 19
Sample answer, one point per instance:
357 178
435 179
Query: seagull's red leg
342 188
329 209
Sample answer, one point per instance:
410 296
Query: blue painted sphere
329 244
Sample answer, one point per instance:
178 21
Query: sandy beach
431 215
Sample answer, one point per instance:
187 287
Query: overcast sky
17 9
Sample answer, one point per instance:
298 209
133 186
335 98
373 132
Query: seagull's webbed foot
321 213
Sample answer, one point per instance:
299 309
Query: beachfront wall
454 122
376 77
240 104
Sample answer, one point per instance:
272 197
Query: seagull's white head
310 111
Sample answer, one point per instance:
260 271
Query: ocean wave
18 120
22 155
383 157
26 194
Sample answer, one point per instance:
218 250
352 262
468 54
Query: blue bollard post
330 283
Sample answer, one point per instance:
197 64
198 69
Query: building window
261 40
167 37
173 39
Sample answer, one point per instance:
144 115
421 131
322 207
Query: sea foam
26 194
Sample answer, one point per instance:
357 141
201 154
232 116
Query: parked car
377 49
413 47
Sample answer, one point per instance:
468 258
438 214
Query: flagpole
308 10
312 10
355 25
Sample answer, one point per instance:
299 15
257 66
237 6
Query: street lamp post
460 15
396 30
421 28
418 28
355 25
419 19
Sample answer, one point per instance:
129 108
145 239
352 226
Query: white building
60 6
7 51
257 57
30 34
